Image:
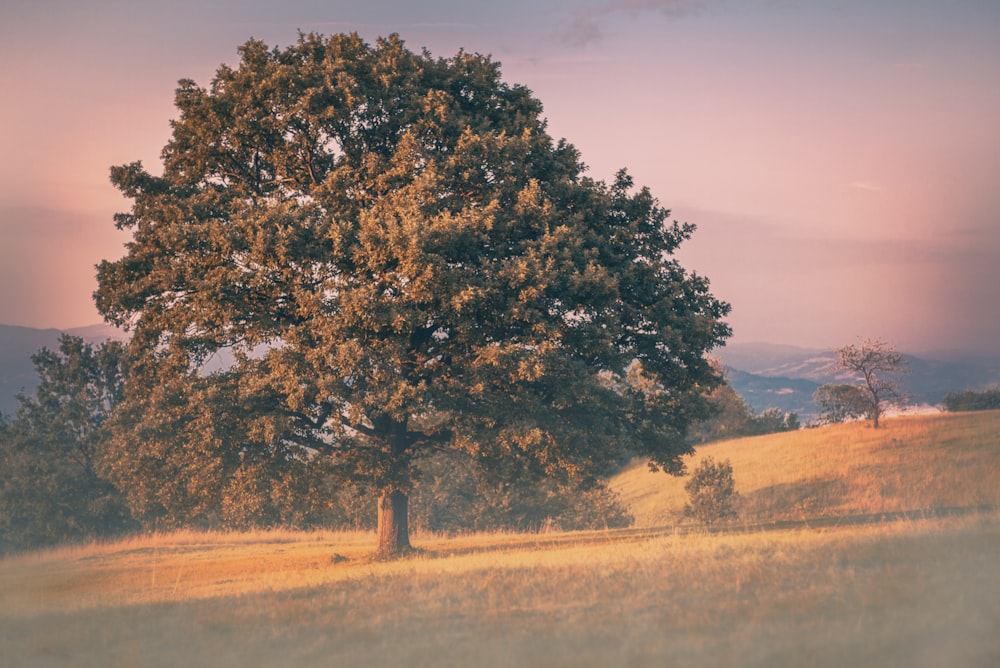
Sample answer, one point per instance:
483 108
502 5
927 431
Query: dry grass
901 593
911 463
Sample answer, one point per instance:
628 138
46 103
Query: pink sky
841 159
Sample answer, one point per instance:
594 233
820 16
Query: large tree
398 259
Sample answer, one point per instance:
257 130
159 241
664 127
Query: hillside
918 463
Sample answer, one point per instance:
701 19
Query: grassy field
928 462
910 592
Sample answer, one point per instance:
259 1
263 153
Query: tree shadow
798 499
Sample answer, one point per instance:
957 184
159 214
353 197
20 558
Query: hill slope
912 463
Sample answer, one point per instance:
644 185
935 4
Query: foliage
194 451
772 421
454 495
50 487
732 417
711 492
875 365
840 403
972 400
399 259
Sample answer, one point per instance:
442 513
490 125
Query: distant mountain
18 344
785 377
767 359
790 395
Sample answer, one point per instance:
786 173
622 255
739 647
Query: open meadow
822 569
919 463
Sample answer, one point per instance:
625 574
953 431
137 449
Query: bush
712 492
971 400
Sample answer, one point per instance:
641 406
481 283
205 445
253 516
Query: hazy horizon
839 159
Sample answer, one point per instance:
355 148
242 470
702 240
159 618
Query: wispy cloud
866 185
586 25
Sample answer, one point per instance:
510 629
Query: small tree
51 488
712 492
730 416
839 403
875 364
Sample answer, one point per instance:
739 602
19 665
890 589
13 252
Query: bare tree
876 364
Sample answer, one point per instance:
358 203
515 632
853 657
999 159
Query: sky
841 159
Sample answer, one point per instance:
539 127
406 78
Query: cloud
586 25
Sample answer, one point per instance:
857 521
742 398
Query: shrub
711 491
971 400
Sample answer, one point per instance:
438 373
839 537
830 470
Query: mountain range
765 375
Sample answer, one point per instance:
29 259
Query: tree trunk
393 524
393 505
875 413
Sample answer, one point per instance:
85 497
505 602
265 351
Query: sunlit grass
905 592
862 594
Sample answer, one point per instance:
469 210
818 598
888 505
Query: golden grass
910 463
900 593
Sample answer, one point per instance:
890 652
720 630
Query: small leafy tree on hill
711 492
840 403
400 259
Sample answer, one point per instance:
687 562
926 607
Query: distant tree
875 365
732 417
51 488
399 259
839 403
772 421
711 491
972 400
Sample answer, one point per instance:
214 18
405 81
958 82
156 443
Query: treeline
59 480
732 417
972 400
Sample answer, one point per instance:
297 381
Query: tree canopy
51 489
398 259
